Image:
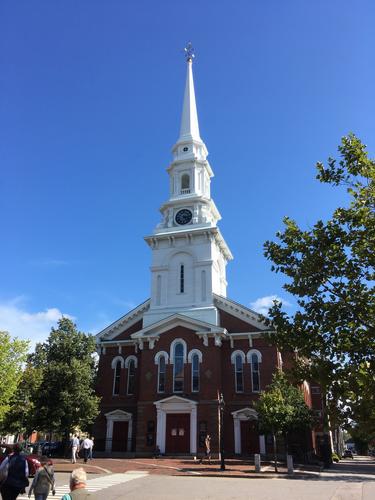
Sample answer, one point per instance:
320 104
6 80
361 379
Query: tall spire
189 122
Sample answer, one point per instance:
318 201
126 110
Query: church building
164 363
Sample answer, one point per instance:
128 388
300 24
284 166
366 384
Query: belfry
163 364
189 254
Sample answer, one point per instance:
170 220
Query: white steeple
189 254
189 121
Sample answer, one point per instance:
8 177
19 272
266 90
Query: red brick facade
216 375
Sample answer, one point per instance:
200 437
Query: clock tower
189 254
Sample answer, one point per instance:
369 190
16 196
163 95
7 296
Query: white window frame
249 356
235 375
195 354
115 361
165 358
172 358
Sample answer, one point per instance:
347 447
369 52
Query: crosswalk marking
98 483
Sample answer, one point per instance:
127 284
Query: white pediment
174 320
118 415
175 404
245 414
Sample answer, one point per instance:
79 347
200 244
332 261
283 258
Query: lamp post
221 408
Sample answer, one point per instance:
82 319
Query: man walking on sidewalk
87 445
75 448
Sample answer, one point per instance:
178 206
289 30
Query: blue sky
91 96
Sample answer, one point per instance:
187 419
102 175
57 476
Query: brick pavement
174 466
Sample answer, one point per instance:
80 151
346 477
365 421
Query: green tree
66 397
282 409
19 419
12 356
330 270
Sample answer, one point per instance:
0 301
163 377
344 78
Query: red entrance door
249 437
120 436
177 433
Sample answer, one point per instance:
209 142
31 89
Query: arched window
178 368
238 365
182 278
185 184
255 375
161 374
195 373
131 378
116 378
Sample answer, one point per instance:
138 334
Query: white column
158 428
130 435
193 430
262 445
108 441
237 435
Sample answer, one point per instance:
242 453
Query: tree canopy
282 409
330 270
12 356
66 397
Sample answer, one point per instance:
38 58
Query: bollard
257 462
289 461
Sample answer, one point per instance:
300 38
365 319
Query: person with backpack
44 481
16 473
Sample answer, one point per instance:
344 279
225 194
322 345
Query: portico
176 405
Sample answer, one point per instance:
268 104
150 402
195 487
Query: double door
177 433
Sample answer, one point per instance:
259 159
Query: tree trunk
275 450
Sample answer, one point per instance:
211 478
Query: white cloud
23 324
262 304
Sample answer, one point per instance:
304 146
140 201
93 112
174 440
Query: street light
221 408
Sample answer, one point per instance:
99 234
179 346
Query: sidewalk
184 466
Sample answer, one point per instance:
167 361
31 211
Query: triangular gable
244 314
174 320
124 322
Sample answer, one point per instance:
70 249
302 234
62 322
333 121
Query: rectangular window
195 374
239 381
161 375
315 390
178 385
150 436
116 381
131 378
255 380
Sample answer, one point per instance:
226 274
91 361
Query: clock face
183 216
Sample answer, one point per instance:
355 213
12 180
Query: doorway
178 433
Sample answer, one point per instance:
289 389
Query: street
348 480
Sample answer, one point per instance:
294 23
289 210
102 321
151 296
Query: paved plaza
165 478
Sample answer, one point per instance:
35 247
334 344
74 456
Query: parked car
348 454
52 448
32 459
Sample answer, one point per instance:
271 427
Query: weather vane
189 52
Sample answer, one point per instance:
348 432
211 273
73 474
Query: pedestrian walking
44 481
207 443
91 448
86 445
75 448
15 474
78 486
